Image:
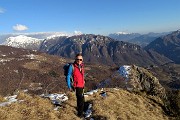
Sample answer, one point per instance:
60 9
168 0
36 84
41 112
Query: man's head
79 58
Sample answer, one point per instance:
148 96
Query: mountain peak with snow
22 41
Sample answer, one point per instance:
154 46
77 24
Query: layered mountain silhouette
123 36
168 46
101 49
136 38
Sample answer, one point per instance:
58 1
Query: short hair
79 54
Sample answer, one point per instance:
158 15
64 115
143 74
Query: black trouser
80 100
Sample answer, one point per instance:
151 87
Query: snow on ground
125 71
56 99
10 99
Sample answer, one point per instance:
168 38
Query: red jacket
78 76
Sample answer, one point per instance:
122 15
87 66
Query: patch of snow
3 55
6 60
116 88
91 92
125 71
16 71
55 98
31 56
4 104
10 99
26 90
56 108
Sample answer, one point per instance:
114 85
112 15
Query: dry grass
32 108
122 105
37 108
34 65
118 105
2 99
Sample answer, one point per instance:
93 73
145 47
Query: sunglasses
79 59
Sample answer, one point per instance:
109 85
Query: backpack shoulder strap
72 67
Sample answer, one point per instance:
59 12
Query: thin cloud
2 10
19 27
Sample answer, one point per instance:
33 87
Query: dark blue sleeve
68 78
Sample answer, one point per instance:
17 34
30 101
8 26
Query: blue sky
89 16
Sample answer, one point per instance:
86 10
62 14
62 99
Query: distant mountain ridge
101 49
123 36
168 46
136 38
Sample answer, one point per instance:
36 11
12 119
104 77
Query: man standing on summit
76 70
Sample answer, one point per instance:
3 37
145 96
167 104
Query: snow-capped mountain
37 35
23 41
46 35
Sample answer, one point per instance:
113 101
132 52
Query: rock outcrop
135 79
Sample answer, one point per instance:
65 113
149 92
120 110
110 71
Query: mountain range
102 50
136 38
168 46
123 36
110 51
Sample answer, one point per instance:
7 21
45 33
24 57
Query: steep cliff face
102 49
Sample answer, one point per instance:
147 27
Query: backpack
66 67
